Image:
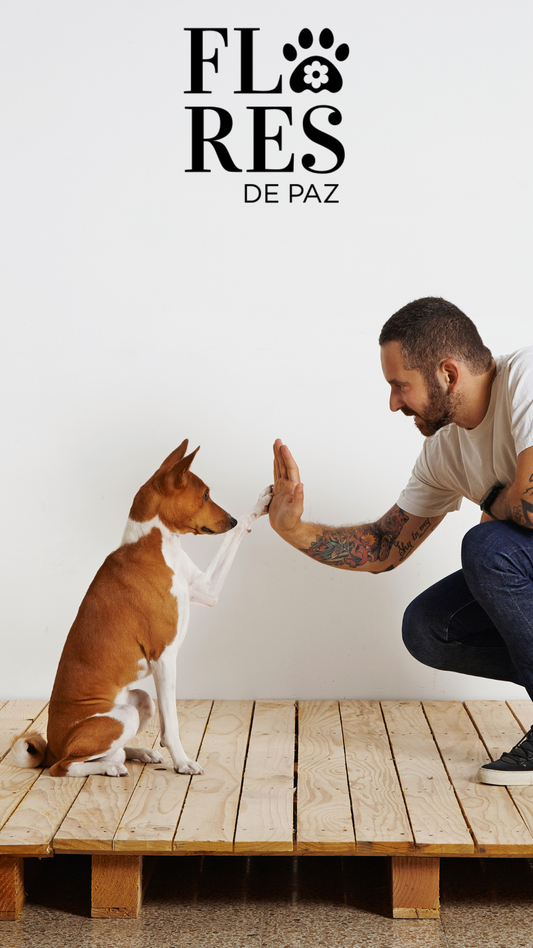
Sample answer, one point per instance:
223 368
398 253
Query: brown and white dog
131 624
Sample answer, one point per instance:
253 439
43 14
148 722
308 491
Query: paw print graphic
316 73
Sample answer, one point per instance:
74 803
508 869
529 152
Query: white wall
143 304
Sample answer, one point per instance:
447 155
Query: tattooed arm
371 547
515 502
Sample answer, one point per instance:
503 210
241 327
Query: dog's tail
29 750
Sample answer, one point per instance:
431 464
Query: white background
142 304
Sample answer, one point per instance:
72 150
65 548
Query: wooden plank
22 708
93 820
150 819
497 725
436 819
14 785
3 703
415 887
380 817
207 823
324 818
116 885
522 709
11 887
500 731
265 822
31 828
16 781
496 825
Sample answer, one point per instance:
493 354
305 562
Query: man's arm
515 501
370 547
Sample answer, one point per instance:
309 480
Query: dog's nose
232 523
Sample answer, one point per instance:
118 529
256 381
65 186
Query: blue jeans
479 621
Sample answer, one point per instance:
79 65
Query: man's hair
430 330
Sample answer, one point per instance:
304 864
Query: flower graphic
316 74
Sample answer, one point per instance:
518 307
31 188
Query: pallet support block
116 886
11 887
415 886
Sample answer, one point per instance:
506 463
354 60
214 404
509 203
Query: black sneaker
513 769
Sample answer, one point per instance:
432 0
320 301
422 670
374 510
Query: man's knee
495 547
477 545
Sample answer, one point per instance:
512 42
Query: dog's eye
206 495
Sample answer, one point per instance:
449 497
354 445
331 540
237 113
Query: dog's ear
168 479
173 458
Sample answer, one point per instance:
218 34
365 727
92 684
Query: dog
131 624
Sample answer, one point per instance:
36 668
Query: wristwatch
489 497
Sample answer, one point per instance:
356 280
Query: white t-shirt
457 462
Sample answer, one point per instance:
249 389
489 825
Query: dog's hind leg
96 744
142 701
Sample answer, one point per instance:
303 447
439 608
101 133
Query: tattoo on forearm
404 549
523 514
356 547
527 514
422 530
528 490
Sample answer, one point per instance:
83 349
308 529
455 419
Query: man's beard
439 411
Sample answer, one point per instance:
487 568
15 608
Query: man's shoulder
515 370
520 357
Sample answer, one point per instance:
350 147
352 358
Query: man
476 414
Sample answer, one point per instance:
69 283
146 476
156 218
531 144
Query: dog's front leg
205 587
164 672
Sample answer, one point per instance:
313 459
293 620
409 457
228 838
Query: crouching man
476 414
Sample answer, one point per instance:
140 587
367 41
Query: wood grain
21 708
31 828
500 731
207 823
494 820
324 817
415 887
380 817
116 886
436 819
11 887
265 821
150 819
522 709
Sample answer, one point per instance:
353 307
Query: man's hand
374 547
287 504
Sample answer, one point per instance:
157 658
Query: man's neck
477 399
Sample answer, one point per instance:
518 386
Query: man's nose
396 401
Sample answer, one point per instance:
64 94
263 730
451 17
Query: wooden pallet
359 778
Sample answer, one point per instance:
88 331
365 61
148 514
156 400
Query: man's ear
451 373
170 475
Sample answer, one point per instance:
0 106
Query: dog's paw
188 767
146 754
261 507
116 770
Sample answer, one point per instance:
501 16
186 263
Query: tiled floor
233 902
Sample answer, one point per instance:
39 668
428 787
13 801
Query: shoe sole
502 778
